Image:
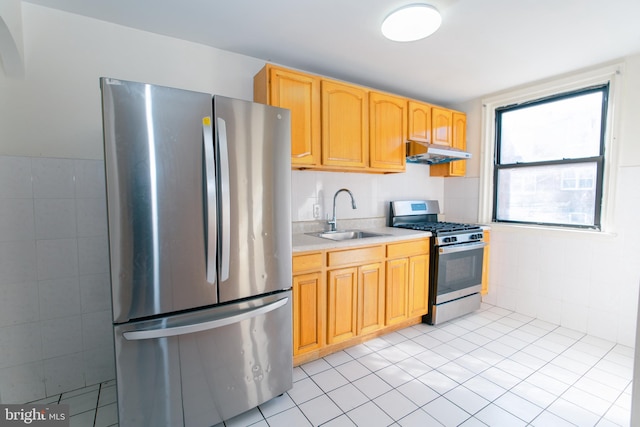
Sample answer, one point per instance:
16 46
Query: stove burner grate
439 227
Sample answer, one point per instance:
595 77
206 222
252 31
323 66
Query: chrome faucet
332 221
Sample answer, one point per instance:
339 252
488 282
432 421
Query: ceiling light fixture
412 22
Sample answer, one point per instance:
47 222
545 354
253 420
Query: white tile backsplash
16 220
53 178
17 261
21 343
93 255
59 297
57 258
61 336
95 292
22 383
96 329
15 177
372 192
55 301
98 364
91 217
63 373
89 178
55 218
18 303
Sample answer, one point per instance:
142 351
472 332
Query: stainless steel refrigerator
198 199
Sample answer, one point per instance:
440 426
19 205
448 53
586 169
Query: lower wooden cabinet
407 280
309 303
343 297
342 304
308 292
370 312
356 292
485 263
397 291
418 285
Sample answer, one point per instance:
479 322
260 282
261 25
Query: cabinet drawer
304 262
405 249
355 256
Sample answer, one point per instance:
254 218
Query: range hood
435 153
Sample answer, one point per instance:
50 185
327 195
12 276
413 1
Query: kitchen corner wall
55 304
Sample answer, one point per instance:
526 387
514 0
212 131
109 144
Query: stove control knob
454 239
446 240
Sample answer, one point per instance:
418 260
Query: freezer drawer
200 368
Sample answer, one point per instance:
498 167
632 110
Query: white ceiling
483 46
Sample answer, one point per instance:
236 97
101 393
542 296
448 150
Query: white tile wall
54 282
587 283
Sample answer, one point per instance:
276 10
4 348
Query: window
549 159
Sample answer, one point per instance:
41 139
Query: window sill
550 230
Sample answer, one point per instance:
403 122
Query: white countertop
302 242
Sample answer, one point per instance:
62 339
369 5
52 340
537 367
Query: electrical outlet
316 211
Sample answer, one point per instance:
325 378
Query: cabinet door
342 302
442 126
419 126
396 290
300 93
345 138
458 132
418 285
370 298
387 132
485 263
308 312
459 168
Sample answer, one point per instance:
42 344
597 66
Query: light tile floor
490 368
93 406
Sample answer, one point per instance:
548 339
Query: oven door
458 271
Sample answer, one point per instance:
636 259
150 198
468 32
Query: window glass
550 158
553 130
556 194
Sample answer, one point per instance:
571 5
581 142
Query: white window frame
611 74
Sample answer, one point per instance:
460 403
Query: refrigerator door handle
225 244
203 326
211 208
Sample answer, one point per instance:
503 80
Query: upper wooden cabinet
300 93
458 140
419 126
344 127
345 136
442 126
388 132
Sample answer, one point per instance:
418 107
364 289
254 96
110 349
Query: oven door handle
443 250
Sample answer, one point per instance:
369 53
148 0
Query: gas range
455 259
423 215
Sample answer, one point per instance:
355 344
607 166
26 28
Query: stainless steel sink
346 234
